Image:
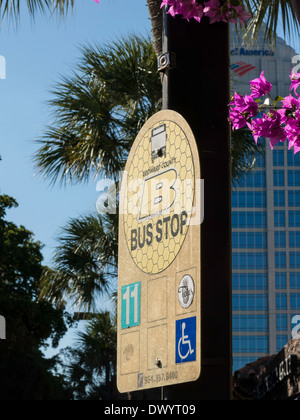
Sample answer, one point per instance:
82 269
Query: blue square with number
186 340
130 305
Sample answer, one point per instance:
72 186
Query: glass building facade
265 224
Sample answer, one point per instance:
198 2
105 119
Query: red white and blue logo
240 68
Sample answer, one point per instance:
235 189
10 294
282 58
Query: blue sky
36 55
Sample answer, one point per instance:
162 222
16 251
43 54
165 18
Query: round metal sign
159 196
186 291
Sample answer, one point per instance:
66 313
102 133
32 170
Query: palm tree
12 8
244 154
268 12
85 262
97 114
99 111
91 369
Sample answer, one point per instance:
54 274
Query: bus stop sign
159 291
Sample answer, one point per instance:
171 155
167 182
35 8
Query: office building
265 223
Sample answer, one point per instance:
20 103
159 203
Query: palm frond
91 364
12 8
85 262
244 153
98 112
270 13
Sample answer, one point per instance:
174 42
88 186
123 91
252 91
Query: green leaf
267 15
277 99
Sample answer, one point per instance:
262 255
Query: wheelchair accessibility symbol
186 340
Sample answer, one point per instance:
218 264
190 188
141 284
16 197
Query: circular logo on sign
158 196
186 291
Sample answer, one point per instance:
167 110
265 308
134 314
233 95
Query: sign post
171 344
159 292
196 83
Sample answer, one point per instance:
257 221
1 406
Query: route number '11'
130 305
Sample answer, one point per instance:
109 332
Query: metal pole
196 84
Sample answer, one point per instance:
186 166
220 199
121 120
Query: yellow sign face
160 196
159 291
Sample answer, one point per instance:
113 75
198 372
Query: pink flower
295 79
227 13
268 126
244 108
245 105
189 9
237 13
237 119
193 9
255 127
260 86
292 130
290 109
290 102
212 10
198 13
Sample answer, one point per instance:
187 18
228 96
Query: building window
250 323
249 240
249 281
240 362
294 218
279 144
279 198
281 301
279 218
281 322
250 344
294 178
280 259
295 301
294 239
250 302
253 179
295 280
293 159
249 199
260 161
244 261
278 158
281 341
280 279
294 259
280 241
294 198
244 219
278 178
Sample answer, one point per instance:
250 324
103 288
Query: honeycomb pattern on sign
154 241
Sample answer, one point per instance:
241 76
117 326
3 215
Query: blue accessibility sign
186 340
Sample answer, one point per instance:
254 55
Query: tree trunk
156 23
296 6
